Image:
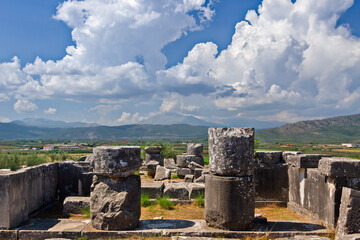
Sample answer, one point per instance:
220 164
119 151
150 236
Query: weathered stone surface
154 157
231 151
229 202
151 167
196 189
176 190
75 205
189 178
115 203
162 173
200 179
153 189
169 163
182 172
119 161
153 149
349 217
70 179
270 158
90 158
349 237
194 165
340 167
197 172
286 154
304 237
304 160
195 149
272 183
184 160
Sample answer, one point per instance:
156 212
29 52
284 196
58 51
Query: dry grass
276 213
180 211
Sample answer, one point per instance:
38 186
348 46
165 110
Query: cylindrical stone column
115 199
230 193
153 153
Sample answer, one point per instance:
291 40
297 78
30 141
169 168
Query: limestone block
198 172
75 205
194 165
195 149
231 151
176 190
184 160
153 149
269 158
200 179
349 217
50 182
189 178
154 157
340 167
162 173
286 154
169 163
229 202
115 203
305 160
304 237
196 189
182 172
153 189
151 167
119 161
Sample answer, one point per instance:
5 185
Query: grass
165 203
145 200
86 212
175 176
180 211
275 213
199 200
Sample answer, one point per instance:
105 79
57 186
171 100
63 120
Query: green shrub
165 203
175 176
86 212
34 160
199 200
145 200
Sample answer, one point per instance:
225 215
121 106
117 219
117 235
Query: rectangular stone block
272 183
75 205
154 189
269 158
349 218
294 184
177 190
304 160
340 167
231 151
195 149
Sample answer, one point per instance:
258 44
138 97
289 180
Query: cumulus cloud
130 118
50 111
24 105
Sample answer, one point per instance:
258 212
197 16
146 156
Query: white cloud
4 119
128 118
24 105
50 111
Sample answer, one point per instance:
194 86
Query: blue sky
226 61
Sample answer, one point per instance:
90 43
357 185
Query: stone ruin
318 186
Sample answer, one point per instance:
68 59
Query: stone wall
25 191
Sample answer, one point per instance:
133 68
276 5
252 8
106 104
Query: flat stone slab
154 189
76 228
340 167
75 205
304 160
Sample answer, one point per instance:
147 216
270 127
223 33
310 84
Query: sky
229 62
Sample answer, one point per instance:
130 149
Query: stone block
231 151
272 183
198 172
153 189
115 203
349 217
176 190
196 189
50 182
200 179
153 149
229 202
162 173
169 163
151 168
182 172
195 149
75 205
154 157
194 165
286 154
269 158
304 160
340 167
82 158
70 179
35 197
189 178
184 160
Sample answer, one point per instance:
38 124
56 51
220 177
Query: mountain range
336 129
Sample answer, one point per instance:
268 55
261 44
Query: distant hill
174 118
46 123
336 129
14 131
